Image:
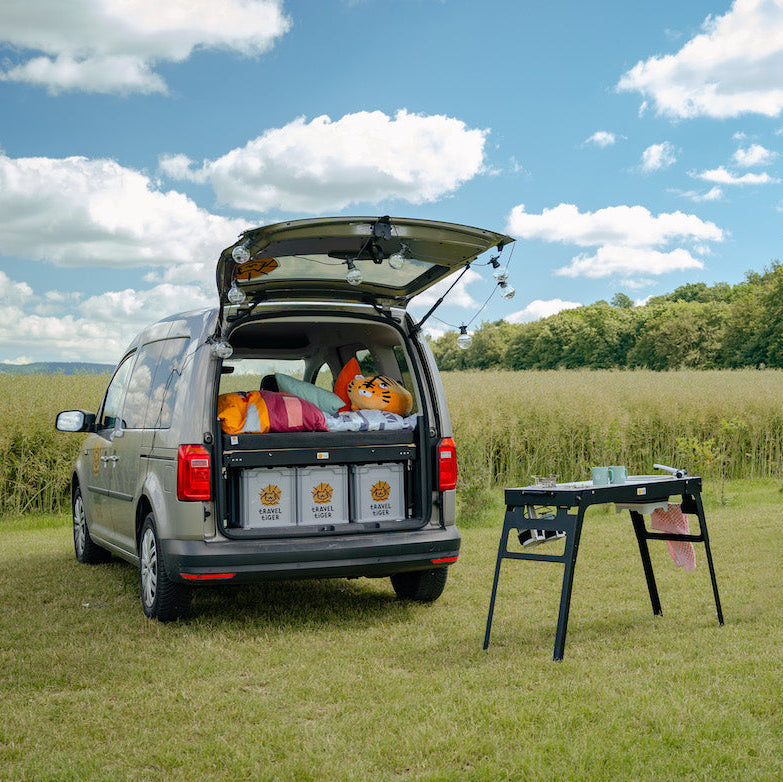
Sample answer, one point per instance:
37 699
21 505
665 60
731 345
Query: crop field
508 426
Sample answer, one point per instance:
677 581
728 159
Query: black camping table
562 508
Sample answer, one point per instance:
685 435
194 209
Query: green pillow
324 400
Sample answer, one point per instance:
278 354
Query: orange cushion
347 374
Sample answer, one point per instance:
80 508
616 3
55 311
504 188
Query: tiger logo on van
379 393
256 268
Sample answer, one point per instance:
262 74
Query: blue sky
629 147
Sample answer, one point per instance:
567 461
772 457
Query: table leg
572 526
501 551
703 528
641 536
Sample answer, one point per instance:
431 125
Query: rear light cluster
447 464
194 478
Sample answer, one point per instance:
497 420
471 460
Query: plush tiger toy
379 393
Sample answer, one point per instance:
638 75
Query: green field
339 680
508 426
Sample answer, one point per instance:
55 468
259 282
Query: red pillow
291 414
347 374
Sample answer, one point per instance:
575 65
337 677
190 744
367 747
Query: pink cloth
675 521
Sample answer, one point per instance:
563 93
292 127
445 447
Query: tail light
447 464
194 481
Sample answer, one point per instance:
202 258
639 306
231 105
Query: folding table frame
565 505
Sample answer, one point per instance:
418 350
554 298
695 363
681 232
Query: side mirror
74 421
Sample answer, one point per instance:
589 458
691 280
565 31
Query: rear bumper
197 561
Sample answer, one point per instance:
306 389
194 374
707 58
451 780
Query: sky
629 147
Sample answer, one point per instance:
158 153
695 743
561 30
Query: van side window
115 395
139 386
165 381
149 400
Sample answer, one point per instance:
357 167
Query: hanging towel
675 521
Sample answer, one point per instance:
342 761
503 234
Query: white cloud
634 226
713 194
658 156
754 155
723 177
609 260
97 329
601 138
629 239
80 212
13 292
139 308
325 165
541 309
733 67
113 45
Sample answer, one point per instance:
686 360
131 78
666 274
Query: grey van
240 443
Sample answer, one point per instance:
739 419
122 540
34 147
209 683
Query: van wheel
87 552
161 598
423 586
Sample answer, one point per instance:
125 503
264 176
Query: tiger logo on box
380 491
270 495
322 494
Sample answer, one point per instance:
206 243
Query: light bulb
501 275
506 291
397 260
221 349
354 276
464 340
240 253
235 294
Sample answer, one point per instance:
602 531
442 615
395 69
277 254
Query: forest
696 326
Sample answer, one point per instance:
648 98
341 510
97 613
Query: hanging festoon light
397 260
506 291
241 253
464 340
235 294
220 347
501 277
354 276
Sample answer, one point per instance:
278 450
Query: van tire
161 598
421 586
87 551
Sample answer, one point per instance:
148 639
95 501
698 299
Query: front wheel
161 598
421 586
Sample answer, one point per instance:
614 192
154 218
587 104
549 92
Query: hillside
56 368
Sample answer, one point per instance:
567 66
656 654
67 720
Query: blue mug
617 474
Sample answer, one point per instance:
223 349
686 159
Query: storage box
322 495
377 492
268 497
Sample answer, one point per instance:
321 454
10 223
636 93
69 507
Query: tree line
696 326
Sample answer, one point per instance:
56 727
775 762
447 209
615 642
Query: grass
339 680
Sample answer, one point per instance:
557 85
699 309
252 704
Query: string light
235 294
397 260
241 253
354 276
464 340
